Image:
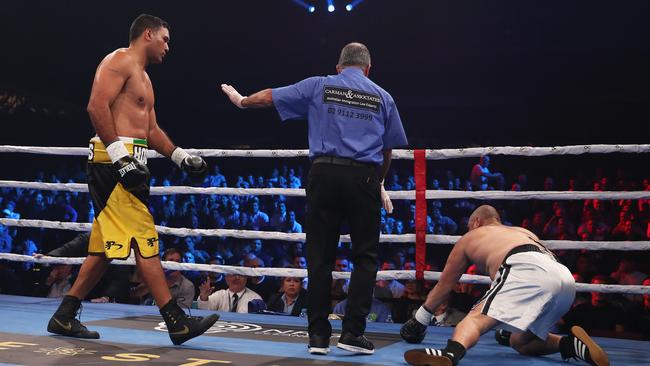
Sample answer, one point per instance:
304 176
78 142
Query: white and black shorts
531 291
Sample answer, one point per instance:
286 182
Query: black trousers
335 193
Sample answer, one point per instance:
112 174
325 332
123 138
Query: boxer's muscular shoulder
119 61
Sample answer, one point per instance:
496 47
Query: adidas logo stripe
579 348
433 352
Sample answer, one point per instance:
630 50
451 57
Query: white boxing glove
233 94
385 200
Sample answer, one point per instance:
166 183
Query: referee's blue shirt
349 115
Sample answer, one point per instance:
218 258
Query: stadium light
352 5
330 6
310 8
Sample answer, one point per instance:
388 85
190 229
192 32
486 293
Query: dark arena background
463 74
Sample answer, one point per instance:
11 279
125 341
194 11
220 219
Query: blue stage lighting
310 8
353 5
330 6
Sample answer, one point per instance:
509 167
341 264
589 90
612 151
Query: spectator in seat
265 286
114 284
592 229
473 290
393 183
629 232
216 179
59 281
339 288
481 176
627 273
181 289
443 225
293 226
446 316
395 287
234 299
379 312
6 240
291 299
258 219
279 218
409 302
217 280
552 229
538 222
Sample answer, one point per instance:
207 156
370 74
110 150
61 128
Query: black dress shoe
319 345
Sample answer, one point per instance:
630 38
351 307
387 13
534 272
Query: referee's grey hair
354 54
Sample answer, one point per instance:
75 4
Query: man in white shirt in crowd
235 298
293 226
259 219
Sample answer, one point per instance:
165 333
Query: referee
353 127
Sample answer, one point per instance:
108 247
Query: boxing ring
136 333
133 333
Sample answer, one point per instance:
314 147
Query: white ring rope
300 237
292 272
438 154
405 195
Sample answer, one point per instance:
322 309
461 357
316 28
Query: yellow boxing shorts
122 218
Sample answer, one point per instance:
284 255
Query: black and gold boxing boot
182 327
64 321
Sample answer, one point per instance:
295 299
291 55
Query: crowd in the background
600 314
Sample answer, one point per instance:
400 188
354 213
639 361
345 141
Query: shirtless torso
123 79
487 246
122 98
528 294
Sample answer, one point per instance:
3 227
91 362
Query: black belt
522 249
341 161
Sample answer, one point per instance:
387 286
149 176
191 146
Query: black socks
454 351
566 348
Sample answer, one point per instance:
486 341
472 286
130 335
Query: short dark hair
171 251
354 54
145 21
